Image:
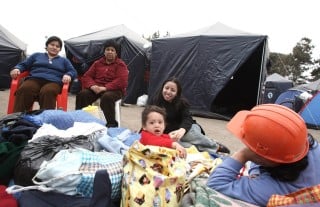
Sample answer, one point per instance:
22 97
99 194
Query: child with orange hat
284 157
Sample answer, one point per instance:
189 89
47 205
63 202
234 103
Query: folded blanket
79 128
62 119
127 136
112 144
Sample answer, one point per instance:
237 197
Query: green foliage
278 62
156 35
316 71
297 64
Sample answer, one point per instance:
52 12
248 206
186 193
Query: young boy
153 125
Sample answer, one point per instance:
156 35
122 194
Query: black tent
221 69
274 85
82 51
12 51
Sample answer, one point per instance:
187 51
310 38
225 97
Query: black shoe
222 148
112 124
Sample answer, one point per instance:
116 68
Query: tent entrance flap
240 92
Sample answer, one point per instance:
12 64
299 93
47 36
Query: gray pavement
131 118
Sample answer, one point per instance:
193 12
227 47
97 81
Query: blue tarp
311 112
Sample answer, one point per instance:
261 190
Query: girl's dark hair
151 108
179 101
54 38
290 172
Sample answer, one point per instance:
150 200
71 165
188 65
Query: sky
284 22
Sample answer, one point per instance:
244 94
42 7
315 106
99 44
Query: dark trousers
101 196
107 102
31 90
102 190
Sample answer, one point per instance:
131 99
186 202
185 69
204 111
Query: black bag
8 120
44 148
14 128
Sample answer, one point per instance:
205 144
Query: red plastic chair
62 98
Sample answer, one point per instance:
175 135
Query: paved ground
131 118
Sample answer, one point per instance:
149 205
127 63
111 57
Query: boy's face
53 48
155 124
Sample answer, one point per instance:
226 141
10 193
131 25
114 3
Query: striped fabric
307 195
93 161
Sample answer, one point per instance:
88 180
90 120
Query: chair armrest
62 98
13 87
15 82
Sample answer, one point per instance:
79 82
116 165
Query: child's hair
152 108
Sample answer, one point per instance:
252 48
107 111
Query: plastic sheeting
12 51
221 69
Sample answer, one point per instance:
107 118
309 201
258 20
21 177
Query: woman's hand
66 78
98 89
14 73
177 134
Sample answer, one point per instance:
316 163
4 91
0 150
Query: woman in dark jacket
179 123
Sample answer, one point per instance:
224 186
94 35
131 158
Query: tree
277 64
296 64
167 34
156 35
301 60
316 70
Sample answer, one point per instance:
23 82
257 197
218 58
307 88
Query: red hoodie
148 138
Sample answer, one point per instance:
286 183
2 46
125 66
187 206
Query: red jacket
113 76
148 138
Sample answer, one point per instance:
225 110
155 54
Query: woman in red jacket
107 79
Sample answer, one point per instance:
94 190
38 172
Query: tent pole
263 73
